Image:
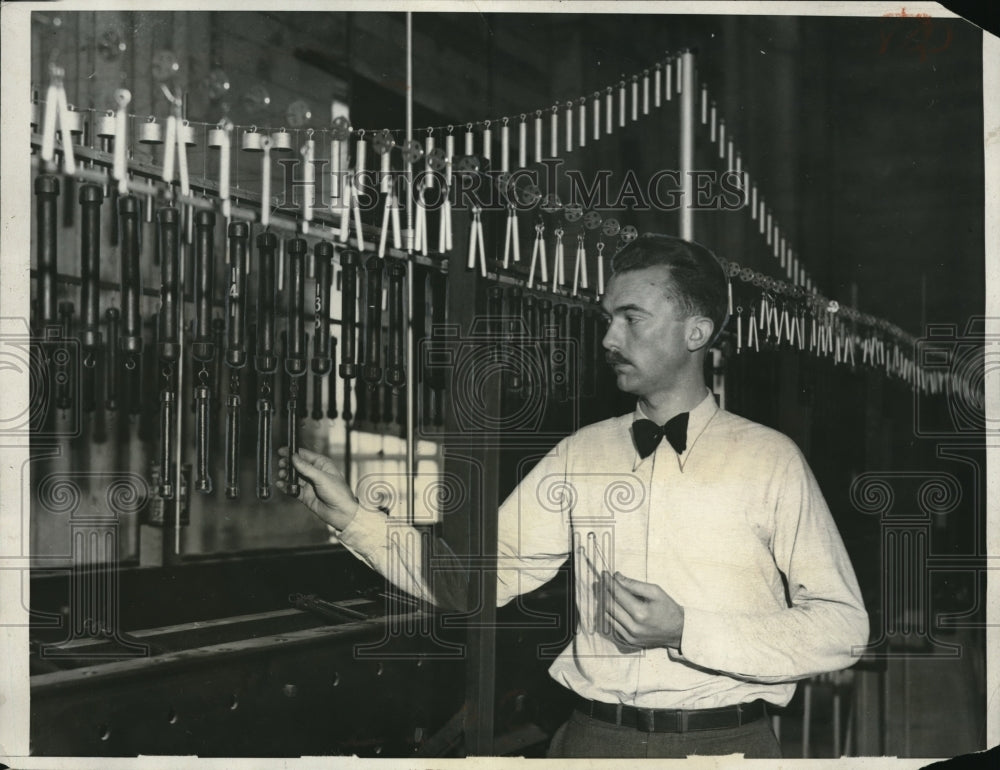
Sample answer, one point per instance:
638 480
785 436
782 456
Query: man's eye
631 319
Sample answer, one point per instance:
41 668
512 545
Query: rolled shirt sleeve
533 542
533 539
392 548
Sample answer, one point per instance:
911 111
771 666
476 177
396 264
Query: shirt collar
698 420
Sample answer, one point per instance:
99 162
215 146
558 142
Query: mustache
613 357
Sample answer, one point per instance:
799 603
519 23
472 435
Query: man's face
647 341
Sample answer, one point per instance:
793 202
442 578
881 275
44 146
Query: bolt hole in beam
172 717
234 702
336 679
104 732
379 670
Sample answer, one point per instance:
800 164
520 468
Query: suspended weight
150 132
106 125
250 141
281 141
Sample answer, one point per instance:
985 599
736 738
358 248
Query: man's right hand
324 490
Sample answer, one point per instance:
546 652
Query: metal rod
47 193
409 130
130 339
323 262
167 407
265 361
292 488
63 367
410 394
514 336
233 438
322 362
348 414
180 497
91 198
296 362
560 344
544 322
218 361
348 314
203 349
371 371
111 372
167 246
395 373
435 379
331 383
264 440
687 145
295 357
236 348
203 403
204 268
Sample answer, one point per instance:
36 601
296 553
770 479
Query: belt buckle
646 720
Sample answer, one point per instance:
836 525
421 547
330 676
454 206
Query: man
709 574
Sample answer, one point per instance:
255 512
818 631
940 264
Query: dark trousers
583 736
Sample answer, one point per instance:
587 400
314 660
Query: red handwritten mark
918 38
904 15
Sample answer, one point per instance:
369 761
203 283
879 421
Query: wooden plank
90 676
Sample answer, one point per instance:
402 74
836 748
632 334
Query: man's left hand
642 614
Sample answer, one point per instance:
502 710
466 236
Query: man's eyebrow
626 308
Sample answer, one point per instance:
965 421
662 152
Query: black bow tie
647 434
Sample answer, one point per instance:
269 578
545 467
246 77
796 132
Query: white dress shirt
715 527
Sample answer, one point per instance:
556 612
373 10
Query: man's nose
610 339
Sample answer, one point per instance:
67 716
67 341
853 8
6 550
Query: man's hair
701 283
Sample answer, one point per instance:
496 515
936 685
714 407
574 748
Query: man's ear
699 332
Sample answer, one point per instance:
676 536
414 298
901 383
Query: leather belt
671 720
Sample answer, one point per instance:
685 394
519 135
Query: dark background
865 138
